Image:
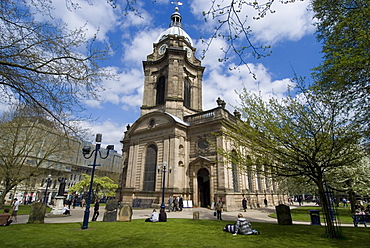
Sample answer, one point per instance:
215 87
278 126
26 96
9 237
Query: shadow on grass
174 233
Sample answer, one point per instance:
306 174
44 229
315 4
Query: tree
101 186
44 64
352 179
307 136
30 145
343 27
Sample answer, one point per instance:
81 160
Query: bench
142 203
361 219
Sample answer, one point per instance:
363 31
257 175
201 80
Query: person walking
175 204
15 210
244 204
170 204
219 206
96 210
181 203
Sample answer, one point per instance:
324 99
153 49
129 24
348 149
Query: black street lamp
87 153
164 165
48 183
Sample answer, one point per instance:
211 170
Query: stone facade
173 128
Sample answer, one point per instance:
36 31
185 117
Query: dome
175 28
177 31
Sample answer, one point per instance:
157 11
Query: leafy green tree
308 136
352 180
343 27
30 145
101 186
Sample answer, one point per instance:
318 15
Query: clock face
202 144
188 51
162 49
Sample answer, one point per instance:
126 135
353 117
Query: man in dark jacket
96 210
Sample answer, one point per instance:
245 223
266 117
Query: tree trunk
6 190
352 199
331 230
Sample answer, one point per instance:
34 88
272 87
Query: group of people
361 210
5 218
242 226
157 217
175 203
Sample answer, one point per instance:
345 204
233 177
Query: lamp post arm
105 155
87 208
87 157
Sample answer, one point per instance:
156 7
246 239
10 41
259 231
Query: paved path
253 215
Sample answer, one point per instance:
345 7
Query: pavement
252 215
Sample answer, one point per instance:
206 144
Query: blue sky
289 30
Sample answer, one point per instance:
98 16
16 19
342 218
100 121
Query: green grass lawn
303 214
22 209
174 233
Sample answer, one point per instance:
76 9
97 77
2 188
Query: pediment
202 160
155 120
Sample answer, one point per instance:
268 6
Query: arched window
187 93
150 168
160 90
235 173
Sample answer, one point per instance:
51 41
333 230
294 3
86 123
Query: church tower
173 75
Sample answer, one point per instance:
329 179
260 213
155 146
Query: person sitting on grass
154 217
242 226
5 218
162 215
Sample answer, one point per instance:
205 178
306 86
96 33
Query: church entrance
203 188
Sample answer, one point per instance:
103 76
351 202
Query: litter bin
315 217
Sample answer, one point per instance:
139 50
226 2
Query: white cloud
124 90
93 15
289 22
227 83
112 132
140 46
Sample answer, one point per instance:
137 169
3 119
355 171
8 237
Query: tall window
267 179
250 173
187 93
160 90
234 169
259 178
150 168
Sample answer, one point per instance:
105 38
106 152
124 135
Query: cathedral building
173 129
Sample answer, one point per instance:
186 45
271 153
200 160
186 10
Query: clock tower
173 130
173 75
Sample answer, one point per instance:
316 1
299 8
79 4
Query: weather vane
177 5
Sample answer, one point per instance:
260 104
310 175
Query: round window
152 123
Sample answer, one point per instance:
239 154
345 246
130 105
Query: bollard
196 216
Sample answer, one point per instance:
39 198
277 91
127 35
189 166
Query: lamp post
48 182
87 153
164 166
